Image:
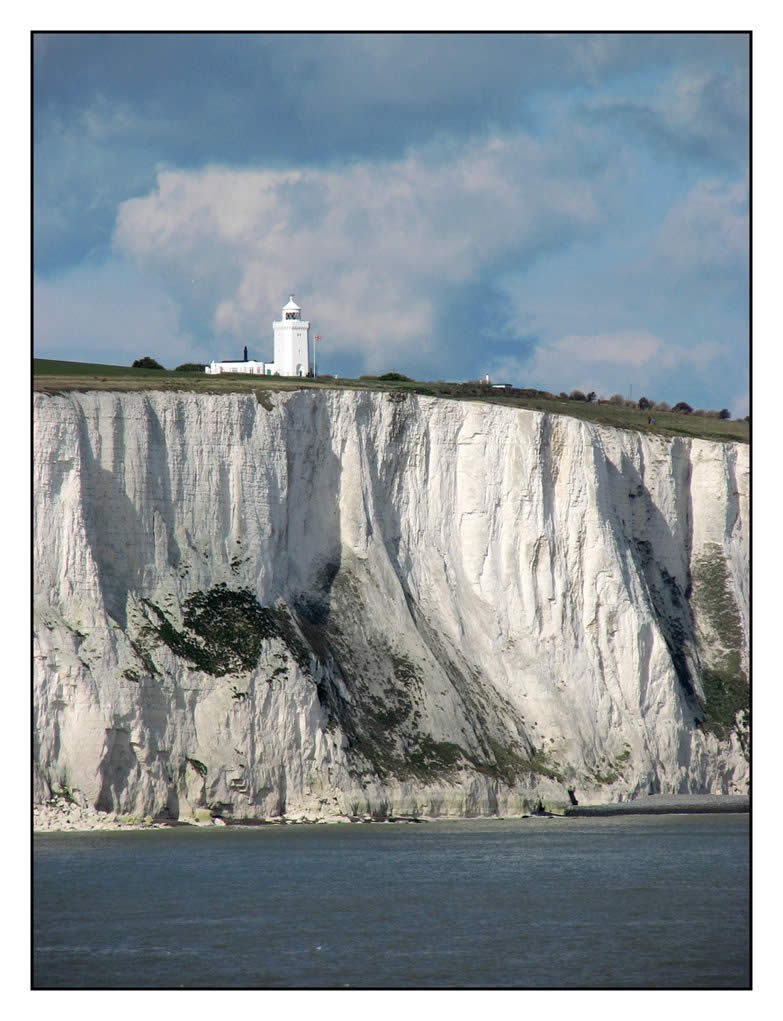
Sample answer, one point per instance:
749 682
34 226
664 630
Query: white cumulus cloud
369 248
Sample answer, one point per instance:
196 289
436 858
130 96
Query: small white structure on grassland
292 349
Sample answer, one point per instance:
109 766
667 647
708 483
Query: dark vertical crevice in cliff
312 527
548 473
119 542
732 491
159 480
668 598
683 501
118 763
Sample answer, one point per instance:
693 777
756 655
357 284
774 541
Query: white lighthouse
292 349
292 342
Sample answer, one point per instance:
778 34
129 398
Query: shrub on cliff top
146 363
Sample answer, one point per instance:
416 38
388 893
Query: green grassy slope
51 367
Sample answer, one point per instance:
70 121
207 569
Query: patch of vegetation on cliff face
725 695
712 593
431 759
377 730
144 657
508 764
199 766
405 672
224 630
65 793
434 760
609 770
726 689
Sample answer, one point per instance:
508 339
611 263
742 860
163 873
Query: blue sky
560 211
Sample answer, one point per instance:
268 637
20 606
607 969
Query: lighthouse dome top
291 310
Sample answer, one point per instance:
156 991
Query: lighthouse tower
292 342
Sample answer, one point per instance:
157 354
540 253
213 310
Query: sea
636 902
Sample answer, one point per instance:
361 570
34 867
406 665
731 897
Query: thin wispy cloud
708 231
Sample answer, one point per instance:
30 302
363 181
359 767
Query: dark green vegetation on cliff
726 690
223 630
58 376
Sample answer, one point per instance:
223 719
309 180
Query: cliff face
347 602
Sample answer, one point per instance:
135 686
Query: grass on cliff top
57 376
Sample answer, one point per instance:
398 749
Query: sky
561 211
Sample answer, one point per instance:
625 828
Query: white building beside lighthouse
292 349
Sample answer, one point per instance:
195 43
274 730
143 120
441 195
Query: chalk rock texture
346 602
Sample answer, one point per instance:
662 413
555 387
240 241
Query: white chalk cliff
349 602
